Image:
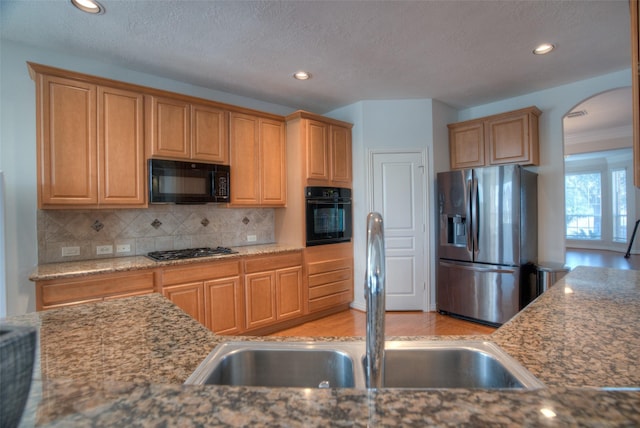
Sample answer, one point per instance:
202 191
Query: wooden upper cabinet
209 136
466 145
318 151
273 164
341 165
243 139
513 138
121 162
323 145
507 138
257 158
635 84
90 144
169 127
179 129
67 160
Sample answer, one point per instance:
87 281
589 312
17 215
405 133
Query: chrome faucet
375 296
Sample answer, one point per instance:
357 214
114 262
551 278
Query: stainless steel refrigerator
488 242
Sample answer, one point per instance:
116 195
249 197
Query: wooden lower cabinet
209 292
260 292
252 294
189 297
57 293
329 275
273 289
225 303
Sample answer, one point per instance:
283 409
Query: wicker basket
17 352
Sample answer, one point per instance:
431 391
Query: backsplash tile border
179 226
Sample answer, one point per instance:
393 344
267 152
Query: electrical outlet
70 251
123 248
252 238
104 249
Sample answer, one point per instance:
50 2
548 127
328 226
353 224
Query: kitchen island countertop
122 362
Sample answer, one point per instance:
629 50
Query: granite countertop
122 362
122 264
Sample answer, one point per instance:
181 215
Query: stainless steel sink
277 364
453 365
407 364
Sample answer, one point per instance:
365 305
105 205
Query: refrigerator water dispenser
456 230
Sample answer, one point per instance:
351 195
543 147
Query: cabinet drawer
328 277
328 289
327 266
263 264
94 289
200 272
330 301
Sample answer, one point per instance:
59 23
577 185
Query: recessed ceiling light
89 6
544 48
301 75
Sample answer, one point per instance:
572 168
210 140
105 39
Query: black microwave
181 182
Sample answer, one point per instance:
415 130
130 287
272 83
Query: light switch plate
104 249
123 248
70 251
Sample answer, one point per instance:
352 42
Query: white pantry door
398 194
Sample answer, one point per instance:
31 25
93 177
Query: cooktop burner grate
189 253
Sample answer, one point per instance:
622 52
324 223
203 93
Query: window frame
604 164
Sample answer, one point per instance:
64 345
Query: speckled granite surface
122 362
123 264
584 331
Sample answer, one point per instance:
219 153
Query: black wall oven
182 182
328 217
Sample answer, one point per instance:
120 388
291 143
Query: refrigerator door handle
469 231
477 268
475 214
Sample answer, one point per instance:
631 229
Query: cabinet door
317 151
466 145
209 137
169 127
260 299
289 302
121 162
509 140
341 175
189 297
67 159
224 305
273 173
243 142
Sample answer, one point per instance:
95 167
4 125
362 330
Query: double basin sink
407 364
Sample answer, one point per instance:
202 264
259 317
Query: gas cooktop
189 253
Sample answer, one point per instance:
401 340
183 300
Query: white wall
554 103
395 124
18 149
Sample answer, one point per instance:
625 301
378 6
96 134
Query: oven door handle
329 201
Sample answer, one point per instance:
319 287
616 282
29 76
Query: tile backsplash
161 227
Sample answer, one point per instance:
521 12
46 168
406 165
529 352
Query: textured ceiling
463 53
